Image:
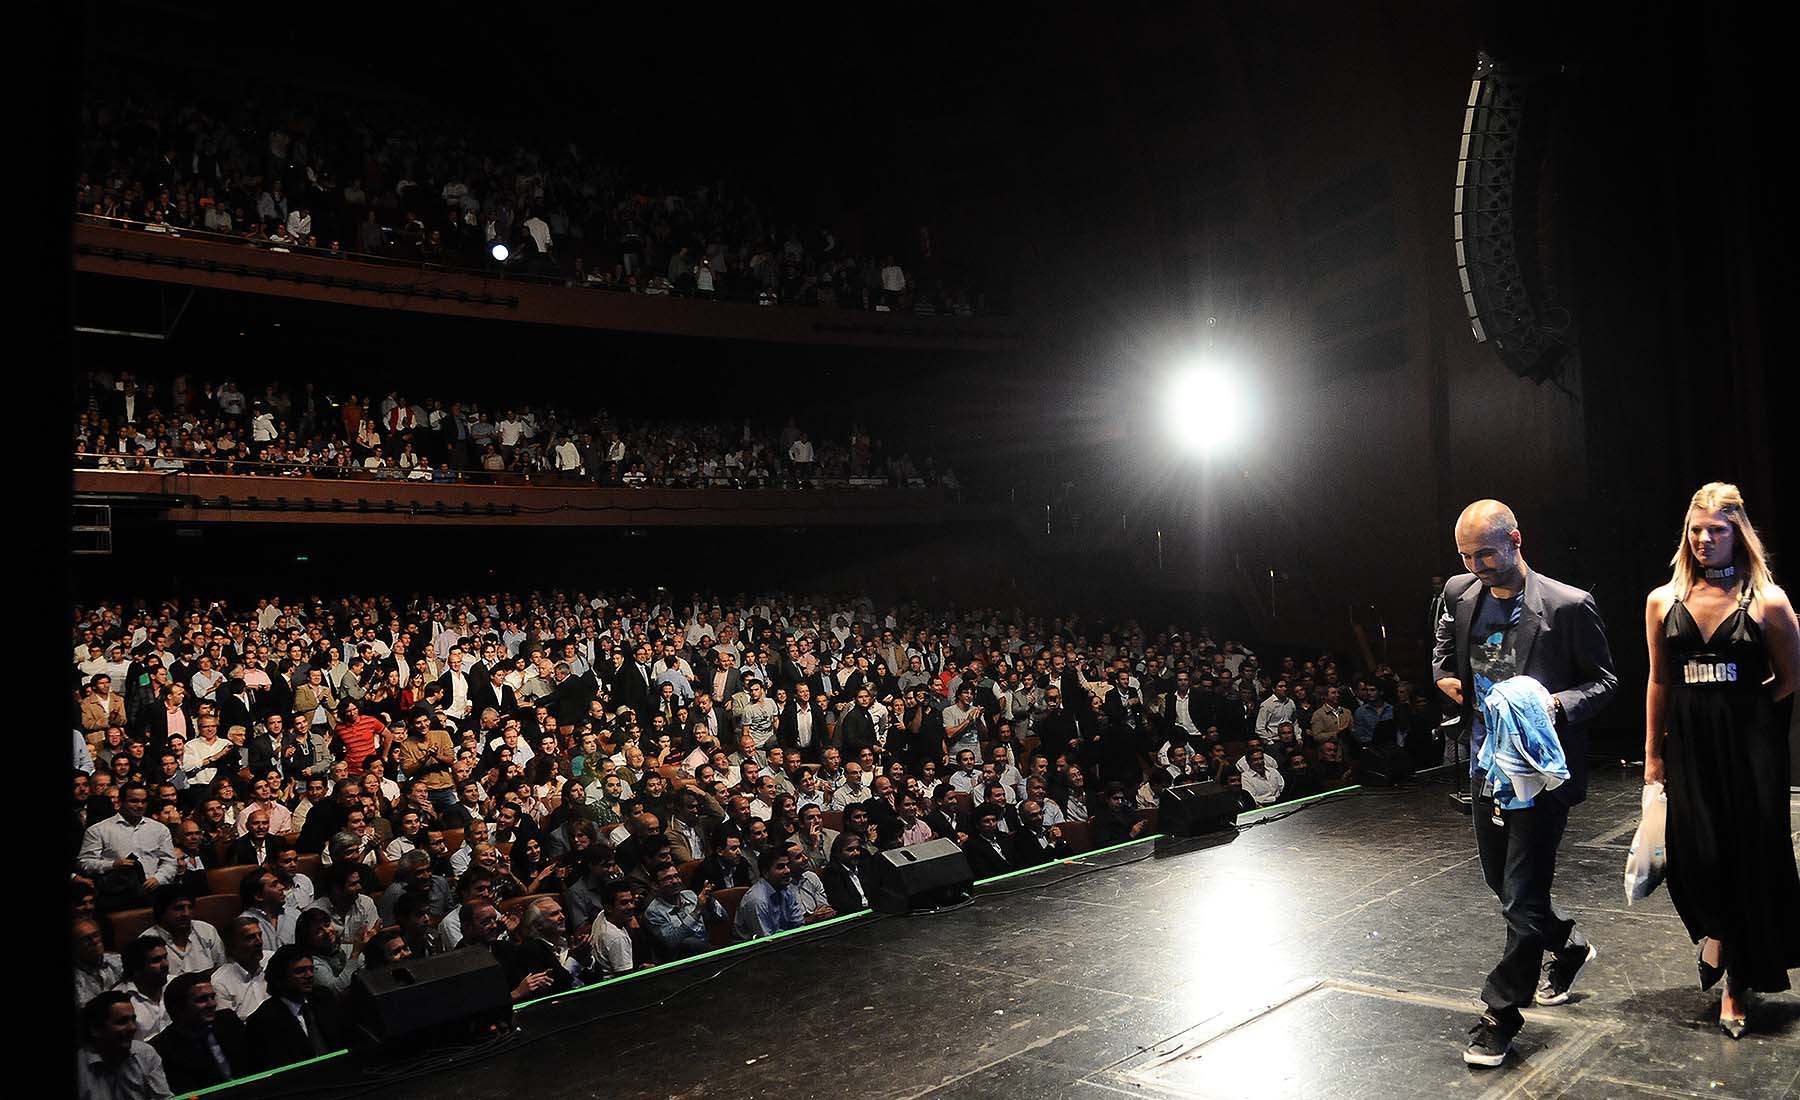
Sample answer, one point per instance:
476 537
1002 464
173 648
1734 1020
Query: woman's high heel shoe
1709 974
1733 1028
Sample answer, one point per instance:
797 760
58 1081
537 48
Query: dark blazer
189 1064
982 858
243 851
569 701
275 1036
1559 642
840 894
1028 852
787 730
713 871
855 731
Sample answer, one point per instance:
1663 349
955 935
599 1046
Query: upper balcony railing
196 257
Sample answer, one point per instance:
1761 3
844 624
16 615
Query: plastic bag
1648 860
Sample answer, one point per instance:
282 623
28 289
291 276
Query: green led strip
265 1074
665 968
717 952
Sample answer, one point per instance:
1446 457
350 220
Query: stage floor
1333 953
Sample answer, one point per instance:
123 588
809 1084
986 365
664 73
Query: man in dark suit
298 1021
726 866
804 720
203 1044
856 729
1032 843
1501 620
569 700
987 847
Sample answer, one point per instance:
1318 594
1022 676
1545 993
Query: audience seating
312 865
218 909
687 867
384 873
834 820
226 880
453 838
1079 834
129 924
724 935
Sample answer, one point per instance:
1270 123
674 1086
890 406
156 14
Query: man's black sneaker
1560 971
1491 1038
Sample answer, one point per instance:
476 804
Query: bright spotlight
499 251
1208 410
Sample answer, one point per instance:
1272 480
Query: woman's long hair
1748 556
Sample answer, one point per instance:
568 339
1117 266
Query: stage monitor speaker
439 998
923 876
1384 766
1194 809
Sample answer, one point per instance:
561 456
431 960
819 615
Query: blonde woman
1724 661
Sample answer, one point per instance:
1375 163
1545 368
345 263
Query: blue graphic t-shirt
1492 657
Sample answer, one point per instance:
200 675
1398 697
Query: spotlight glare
1207 410
499 251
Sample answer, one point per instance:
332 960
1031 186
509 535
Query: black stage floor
1332 953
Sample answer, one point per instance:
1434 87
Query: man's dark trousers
1518 859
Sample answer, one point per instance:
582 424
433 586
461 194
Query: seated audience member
96 969
1334 770
264 897
254 845
1117 820
727 866
773 905
241 984
1302 780
299 1020
414 875
1260 777
1233 781
1033 842
113 1064
581 899
986 846
146 973
194 945
537 956
609 938
346 899
850 876
203 1044
334 962
677 917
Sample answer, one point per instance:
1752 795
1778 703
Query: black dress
1731 868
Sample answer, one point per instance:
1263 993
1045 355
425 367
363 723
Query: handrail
507 271
541 478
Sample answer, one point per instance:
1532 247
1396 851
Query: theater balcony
182 497
192 260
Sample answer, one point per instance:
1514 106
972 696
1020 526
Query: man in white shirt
200 754
96 969
113 1064
239 983
456 688
193 945
612 944
128 838
853 789
1261 778
146 962
1276 709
